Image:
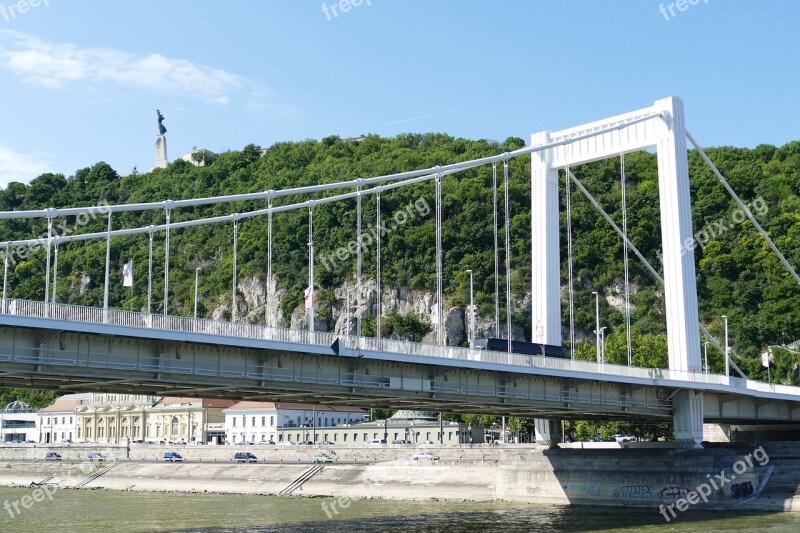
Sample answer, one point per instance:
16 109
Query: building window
263 421
234 421
79 432
70 420
244 421
174 425
272 421
254 422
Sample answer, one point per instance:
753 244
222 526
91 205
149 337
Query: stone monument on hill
161 143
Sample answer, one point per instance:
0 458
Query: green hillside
738 275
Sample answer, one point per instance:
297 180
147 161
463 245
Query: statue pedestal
161 152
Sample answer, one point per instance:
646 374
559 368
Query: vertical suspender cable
150 273
235 264
55 269
268 291
743 207
378 231
440 337
508 256
47 278
358 264
166 264
496 255
623 187
571 289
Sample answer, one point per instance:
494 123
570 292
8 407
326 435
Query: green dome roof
404 414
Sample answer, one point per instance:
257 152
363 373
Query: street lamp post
727 348
603 344
471 309
597 322
196 279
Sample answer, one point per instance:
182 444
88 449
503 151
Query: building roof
205 402
62 406
295 406
404 414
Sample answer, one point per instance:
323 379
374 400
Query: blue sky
81 81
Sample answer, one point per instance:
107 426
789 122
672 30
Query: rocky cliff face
349 303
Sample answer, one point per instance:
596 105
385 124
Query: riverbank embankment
719 477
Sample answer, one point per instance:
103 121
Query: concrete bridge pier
548 432
687 418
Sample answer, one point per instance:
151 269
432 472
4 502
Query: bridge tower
632 132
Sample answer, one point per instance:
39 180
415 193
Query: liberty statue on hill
161 129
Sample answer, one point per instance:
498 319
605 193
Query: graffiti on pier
634 495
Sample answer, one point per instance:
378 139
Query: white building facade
262 422
19 423
57 422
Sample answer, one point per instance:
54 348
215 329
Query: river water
95 511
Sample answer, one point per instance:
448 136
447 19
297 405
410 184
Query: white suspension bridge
58 346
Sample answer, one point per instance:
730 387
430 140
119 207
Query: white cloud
15 166
57 65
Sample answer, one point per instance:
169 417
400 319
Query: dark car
173 457
52 456
244 457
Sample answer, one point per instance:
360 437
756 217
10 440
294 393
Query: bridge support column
548 432
545 265
687 418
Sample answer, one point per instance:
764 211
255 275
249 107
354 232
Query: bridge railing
553 363
134 319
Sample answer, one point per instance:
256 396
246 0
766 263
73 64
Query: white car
425 456
285 443
624 438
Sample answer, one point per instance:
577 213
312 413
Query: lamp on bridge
196 276
727 348
471 310
603 344
597 321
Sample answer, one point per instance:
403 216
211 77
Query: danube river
96 510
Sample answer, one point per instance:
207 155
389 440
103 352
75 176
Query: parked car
375 442
321 457
624 438
425 456
401 442
285 443
305 443
96 456
52 456
244 457
172 457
